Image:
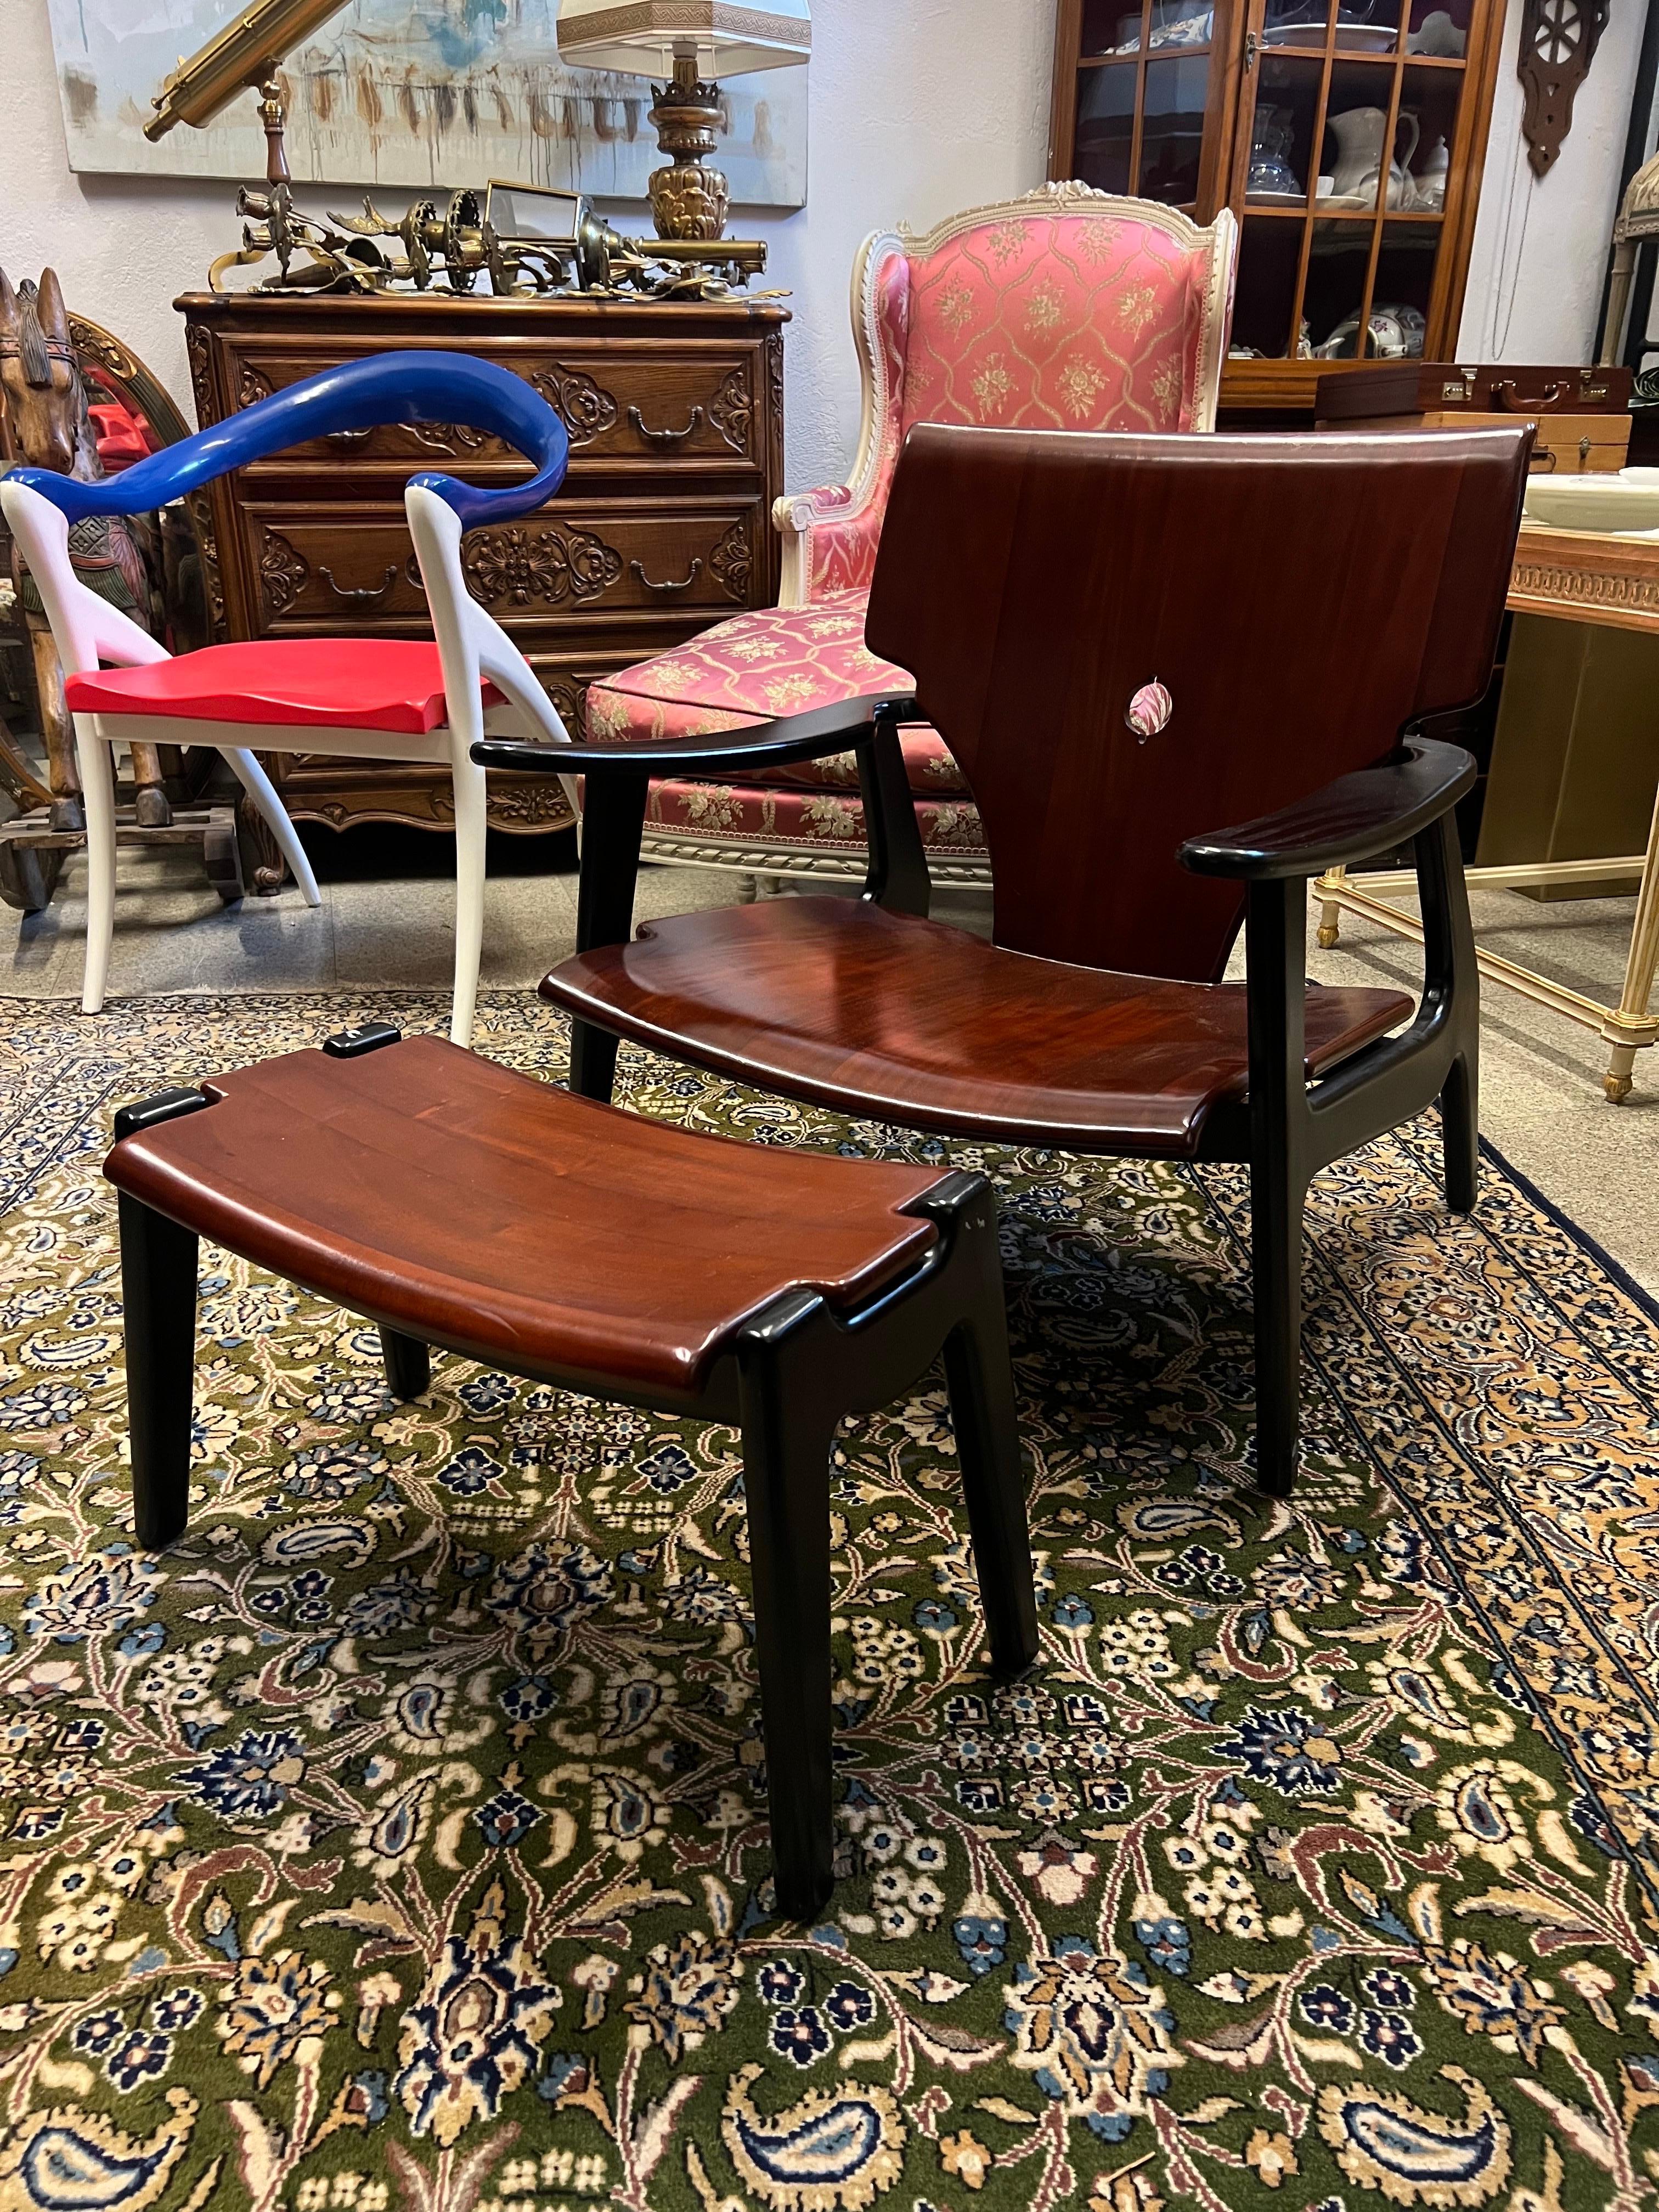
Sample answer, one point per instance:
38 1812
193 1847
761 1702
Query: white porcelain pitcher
1359 133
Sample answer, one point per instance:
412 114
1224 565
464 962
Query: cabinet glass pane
1268 251
1428 125
1282 131
1400 296
1368 27
1172 129
1356 124
1338 258
1440 27
1106 125
1110 26
1295 22
1180 23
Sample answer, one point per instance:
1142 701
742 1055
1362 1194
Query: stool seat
285 683
457 1202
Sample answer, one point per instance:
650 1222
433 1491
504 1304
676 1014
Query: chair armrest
820 730
1349 820
829 538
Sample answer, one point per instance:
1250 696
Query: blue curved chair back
391 387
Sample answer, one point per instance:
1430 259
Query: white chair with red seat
368 698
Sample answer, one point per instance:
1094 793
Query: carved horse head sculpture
47 425
46 402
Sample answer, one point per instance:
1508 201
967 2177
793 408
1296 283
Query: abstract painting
432 95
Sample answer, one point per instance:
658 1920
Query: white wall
918 107
1541 248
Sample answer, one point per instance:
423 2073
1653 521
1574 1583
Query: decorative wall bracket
1559 39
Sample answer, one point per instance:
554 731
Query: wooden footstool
452 1202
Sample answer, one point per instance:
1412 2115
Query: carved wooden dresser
675 411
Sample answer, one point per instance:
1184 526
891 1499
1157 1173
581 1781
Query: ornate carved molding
1559 39
198 352
519 565
732 410
1564 588
282 572
587 409
199 507
731 561
251 384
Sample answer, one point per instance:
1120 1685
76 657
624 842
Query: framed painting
428 94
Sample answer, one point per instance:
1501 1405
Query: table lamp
688 43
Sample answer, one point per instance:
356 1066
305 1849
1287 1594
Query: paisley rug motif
397 1843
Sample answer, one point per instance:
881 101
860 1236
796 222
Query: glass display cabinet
1347 136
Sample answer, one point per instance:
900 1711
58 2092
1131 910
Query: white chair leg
470 826
260 789
98 796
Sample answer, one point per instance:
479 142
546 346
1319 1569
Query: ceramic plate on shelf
1366 38
1624 500
1275 199
1293 34
1346 204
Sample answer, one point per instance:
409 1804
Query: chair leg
260 789
158 1296
1277 1206
788 1433
979 1378
470 823
98 798
407 1364
1459 1132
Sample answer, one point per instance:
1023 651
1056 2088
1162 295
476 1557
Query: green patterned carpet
397 1841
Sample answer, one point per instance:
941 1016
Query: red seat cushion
311 683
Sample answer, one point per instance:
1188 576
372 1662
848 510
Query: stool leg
407 1364
788 1431
158 1295
979 1374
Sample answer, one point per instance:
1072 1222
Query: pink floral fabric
777 660
785 818
780 660
1069 321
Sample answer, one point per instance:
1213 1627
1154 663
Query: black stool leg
980 1377
408 1363
789 1428
158 1293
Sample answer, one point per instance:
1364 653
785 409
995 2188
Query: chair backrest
1070 310
389 387
395 388
1300 600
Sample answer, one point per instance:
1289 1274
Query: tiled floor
1541 1103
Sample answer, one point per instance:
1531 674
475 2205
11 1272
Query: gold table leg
1631 1027
1329 891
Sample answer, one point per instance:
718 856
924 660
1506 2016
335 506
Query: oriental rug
397 1843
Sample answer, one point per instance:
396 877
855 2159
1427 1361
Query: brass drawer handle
685 584
665 437
366 595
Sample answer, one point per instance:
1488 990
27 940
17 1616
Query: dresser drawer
319 569
622 401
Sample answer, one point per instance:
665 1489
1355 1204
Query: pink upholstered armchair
1068 310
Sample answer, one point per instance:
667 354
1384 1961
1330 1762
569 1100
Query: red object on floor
323 683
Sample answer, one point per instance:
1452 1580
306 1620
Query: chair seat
311 683
776 660
909 1021
454 1200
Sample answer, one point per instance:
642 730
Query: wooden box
1580 416
675 411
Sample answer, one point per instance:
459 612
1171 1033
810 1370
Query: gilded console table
1589 577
